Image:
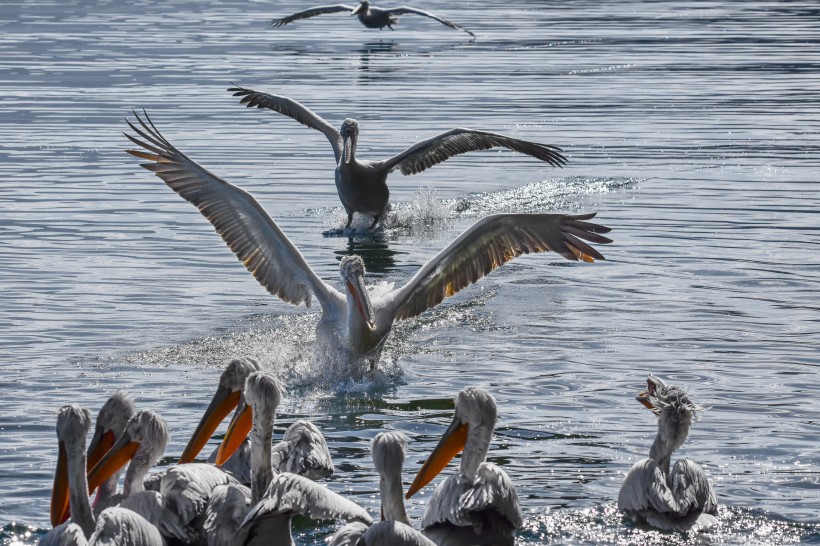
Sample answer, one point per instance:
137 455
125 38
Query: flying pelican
362 185
680 500
178 508
303 449
480 505
114 525
351 326
369 16
276 497
388 450
110 424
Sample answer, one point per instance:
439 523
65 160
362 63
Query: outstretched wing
404 9
243 224
423 155
490 243
292 109
312 12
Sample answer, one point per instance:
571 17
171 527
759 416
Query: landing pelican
114 525
362 185
369 16
303 449
680 500
277 498
353 327
478 506
388 450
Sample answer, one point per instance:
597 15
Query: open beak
238 430
117 457
59 493
100 445
448 447
223 402
643 398
359 293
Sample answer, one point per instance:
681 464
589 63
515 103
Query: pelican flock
362 184
370 16
354 325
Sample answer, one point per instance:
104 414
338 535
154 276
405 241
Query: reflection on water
375 250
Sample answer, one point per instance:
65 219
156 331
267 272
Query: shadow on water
378 257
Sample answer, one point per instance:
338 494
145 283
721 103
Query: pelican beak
59 493
643 398
348 148
100 445
357 289
118 456
356 11
238 430
223 402
448 447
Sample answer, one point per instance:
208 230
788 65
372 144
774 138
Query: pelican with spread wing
370 16
362 184
352 326
678 500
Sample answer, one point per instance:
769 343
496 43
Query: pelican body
479 506
678 500
362 184
370 16
353 326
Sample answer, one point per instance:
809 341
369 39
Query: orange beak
238 430
449 446
59 493
221 405
643 398
117 457
105 443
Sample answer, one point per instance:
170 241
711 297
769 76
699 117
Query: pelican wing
65 534
292 109
311 12
490 243
186 491
121 526
228 506
243 224
303 451
459 503
404 9
394 533
149 505
426 153
691 487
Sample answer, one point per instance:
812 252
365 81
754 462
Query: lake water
691 128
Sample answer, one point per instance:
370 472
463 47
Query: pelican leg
349 219
375 220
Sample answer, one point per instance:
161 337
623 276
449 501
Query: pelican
480 505
351 325
303 449
276 497
178 508
369 16
680 500
362 185
114 525
110 424
388 449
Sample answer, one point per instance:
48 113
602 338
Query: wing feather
293 109
405 9
426 153
490 243
310 12
238 218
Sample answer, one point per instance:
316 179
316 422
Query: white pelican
369 16
680 500
303 449
178 508
114 525
479 505
362 185
388 450
110 424
351 326
278 497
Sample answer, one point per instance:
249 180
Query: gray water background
691 127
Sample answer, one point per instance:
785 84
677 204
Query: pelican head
73 423
350 135
363 6
111 421
143 441
675 413
227 397
471 430
352 271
